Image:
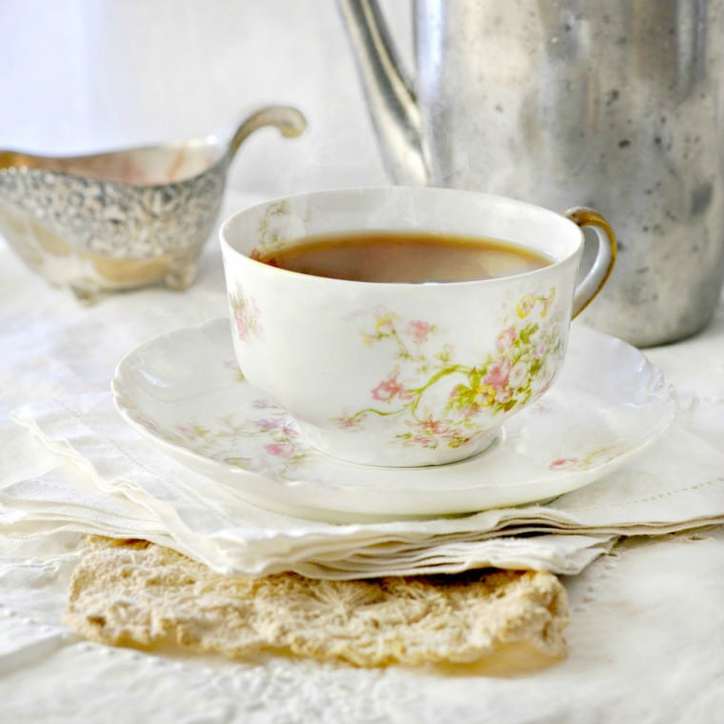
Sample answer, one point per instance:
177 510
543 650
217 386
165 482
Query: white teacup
406 374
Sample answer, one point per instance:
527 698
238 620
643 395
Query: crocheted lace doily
134 593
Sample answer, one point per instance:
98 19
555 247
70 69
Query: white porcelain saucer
184 391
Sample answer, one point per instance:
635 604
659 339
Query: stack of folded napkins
83 469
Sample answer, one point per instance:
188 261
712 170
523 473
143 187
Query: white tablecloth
647 631
646 642
646 636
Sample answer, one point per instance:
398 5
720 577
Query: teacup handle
605 256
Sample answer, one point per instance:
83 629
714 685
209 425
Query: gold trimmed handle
603 265
290 122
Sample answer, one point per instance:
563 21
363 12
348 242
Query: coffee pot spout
390 98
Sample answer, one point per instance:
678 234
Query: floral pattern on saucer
270 439
183 392
589 460
280 449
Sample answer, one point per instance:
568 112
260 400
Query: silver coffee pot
609 104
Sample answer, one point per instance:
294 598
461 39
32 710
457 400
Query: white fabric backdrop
82 75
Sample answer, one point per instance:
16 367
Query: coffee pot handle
599 273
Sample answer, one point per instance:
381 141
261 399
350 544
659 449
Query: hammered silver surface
119 220
614 105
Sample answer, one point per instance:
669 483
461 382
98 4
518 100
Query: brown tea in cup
405 257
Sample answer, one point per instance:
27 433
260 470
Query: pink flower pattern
599 456
518 369
280 449
388 389
246 316
563 463
419 331
506 339
498 374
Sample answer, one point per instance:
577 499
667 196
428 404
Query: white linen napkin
103 477
261 542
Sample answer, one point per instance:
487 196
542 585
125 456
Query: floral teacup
406 374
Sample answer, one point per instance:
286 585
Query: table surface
646 636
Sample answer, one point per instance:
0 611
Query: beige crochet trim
134 593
